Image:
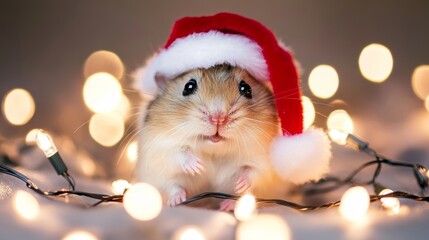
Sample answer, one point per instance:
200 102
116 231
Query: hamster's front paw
191 164
244 182
177 196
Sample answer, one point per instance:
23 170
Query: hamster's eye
245 89
190 87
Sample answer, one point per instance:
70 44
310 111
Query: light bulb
30 138
390 203
142 201
119 186
45 143
338 136
245 207
340 120
354 203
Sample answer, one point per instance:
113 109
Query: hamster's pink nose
218 118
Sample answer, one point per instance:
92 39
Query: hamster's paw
178 196
191 164
244 182
227 205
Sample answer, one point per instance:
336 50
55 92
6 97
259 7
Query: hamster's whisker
78 128
136 131
128 129
260 121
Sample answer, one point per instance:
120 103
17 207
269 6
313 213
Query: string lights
45 143
143 202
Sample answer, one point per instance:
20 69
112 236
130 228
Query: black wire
419 172
300 207
70 180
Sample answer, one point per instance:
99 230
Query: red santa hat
202 42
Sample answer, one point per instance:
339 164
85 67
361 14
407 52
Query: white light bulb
142 201
245 207
45 143
354 203
119 186
390 203
340 120
30 138
338 136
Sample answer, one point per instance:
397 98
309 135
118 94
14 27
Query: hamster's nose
218 118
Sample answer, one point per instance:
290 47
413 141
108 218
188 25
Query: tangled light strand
420 174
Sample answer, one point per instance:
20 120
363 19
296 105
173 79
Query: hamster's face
219 105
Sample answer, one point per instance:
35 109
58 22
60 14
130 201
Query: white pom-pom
303 157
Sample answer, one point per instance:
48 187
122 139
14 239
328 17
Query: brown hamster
208 130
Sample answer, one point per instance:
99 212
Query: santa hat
202 42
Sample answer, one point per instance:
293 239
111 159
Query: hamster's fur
206 131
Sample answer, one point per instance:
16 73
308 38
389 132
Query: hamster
208 130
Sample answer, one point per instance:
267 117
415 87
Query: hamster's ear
161 81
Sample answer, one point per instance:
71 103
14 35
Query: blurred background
52 49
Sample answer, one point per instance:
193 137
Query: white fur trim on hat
203 50
302 157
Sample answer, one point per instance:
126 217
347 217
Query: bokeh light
119 186
309 112
26 205
123 108
87 165
102 92
104 61
264 226
132 151
142 201
340 120
189 233
106 129
420 81
427 103
391 204
376 62
18 106
354 203
245 207
79 235
323 81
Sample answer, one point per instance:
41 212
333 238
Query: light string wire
420 174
